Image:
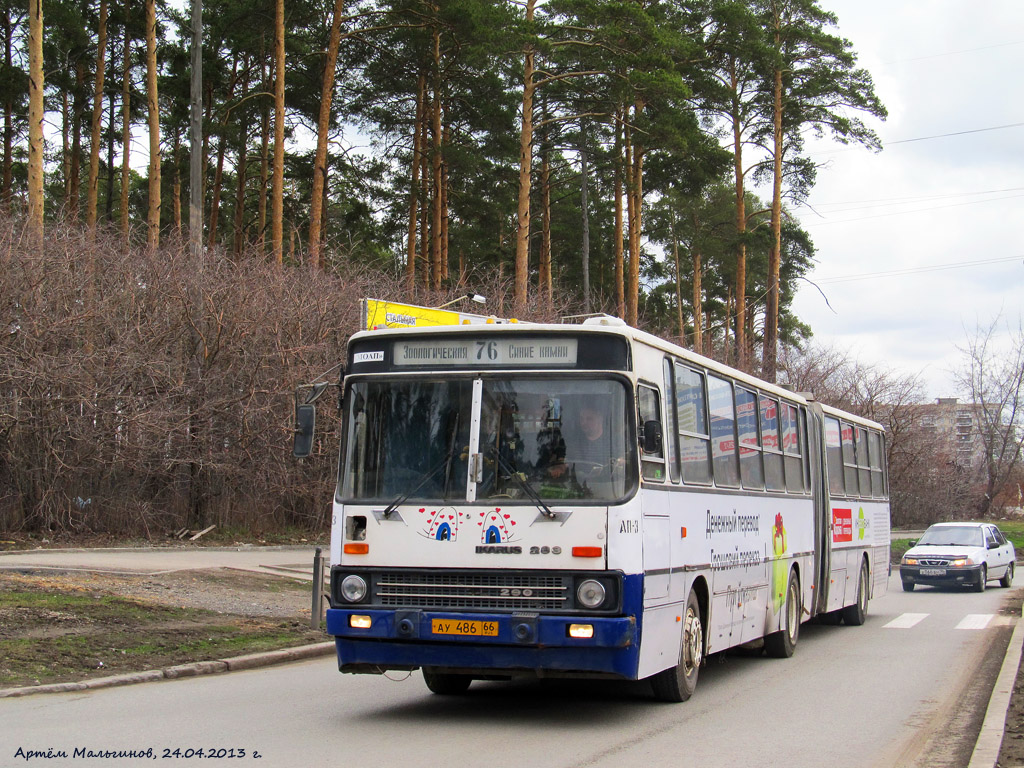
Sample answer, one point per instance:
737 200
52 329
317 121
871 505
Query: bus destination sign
487 352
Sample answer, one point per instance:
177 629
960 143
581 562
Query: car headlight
353 588
960 562
910 561
591 593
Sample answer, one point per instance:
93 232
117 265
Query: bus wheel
446 684
679 682
781 644
855 614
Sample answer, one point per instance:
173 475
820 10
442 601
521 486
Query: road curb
194 669
986 750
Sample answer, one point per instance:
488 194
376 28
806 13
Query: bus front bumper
484 644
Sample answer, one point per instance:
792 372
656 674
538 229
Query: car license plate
467 628
933 571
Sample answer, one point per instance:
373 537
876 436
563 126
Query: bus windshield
552 438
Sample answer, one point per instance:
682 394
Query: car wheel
1007 579
908 586
982 578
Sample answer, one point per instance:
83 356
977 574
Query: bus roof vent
597 319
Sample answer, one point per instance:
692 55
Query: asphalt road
908 688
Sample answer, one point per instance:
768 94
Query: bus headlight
590 593
353 588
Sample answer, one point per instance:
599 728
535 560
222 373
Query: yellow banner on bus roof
390 314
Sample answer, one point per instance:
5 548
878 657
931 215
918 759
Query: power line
915 210
917 270
955 53
956 133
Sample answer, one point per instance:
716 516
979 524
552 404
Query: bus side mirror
305 426
651 438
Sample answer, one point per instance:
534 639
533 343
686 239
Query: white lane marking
906 621
975 621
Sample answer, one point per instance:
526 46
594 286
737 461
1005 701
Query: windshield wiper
524 484
445 463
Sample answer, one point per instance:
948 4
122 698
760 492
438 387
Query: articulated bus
590 501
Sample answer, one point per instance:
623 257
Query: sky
902 223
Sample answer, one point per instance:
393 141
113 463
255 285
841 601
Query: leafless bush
141 392
926 484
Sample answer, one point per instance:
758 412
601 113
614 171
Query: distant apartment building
958 425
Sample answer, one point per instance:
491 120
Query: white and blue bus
519 500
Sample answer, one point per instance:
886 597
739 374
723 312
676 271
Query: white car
965 554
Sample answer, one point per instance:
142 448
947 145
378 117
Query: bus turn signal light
587 551
357 548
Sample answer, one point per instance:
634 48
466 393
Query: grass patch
50 635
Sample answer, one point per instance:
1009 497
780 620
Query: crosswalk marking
975 621
906 621
970 621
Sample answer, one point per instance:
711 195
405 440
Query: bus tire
855 614
678 683
781 644
445 684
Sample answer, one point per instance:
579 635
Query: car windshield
547 438
952 535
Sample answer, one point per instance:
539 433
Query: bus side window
671 435
834 457
850 459
723 433
751 469
649 411
793 443
773 476
863 468
692 417
877 484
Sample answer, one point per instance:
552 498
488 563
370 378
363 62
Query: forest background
562 157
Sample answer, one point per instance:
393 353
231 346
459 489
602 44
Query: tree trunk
522 262
277 201
417 149
445 141
6 190
153 218
35 124
435 227
126 131
176 183
771 320
585 216
218 174
241 167
261 205
544 273
742 351
108 213
679 283
75 187
322 129
97 123
620 267
698 299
